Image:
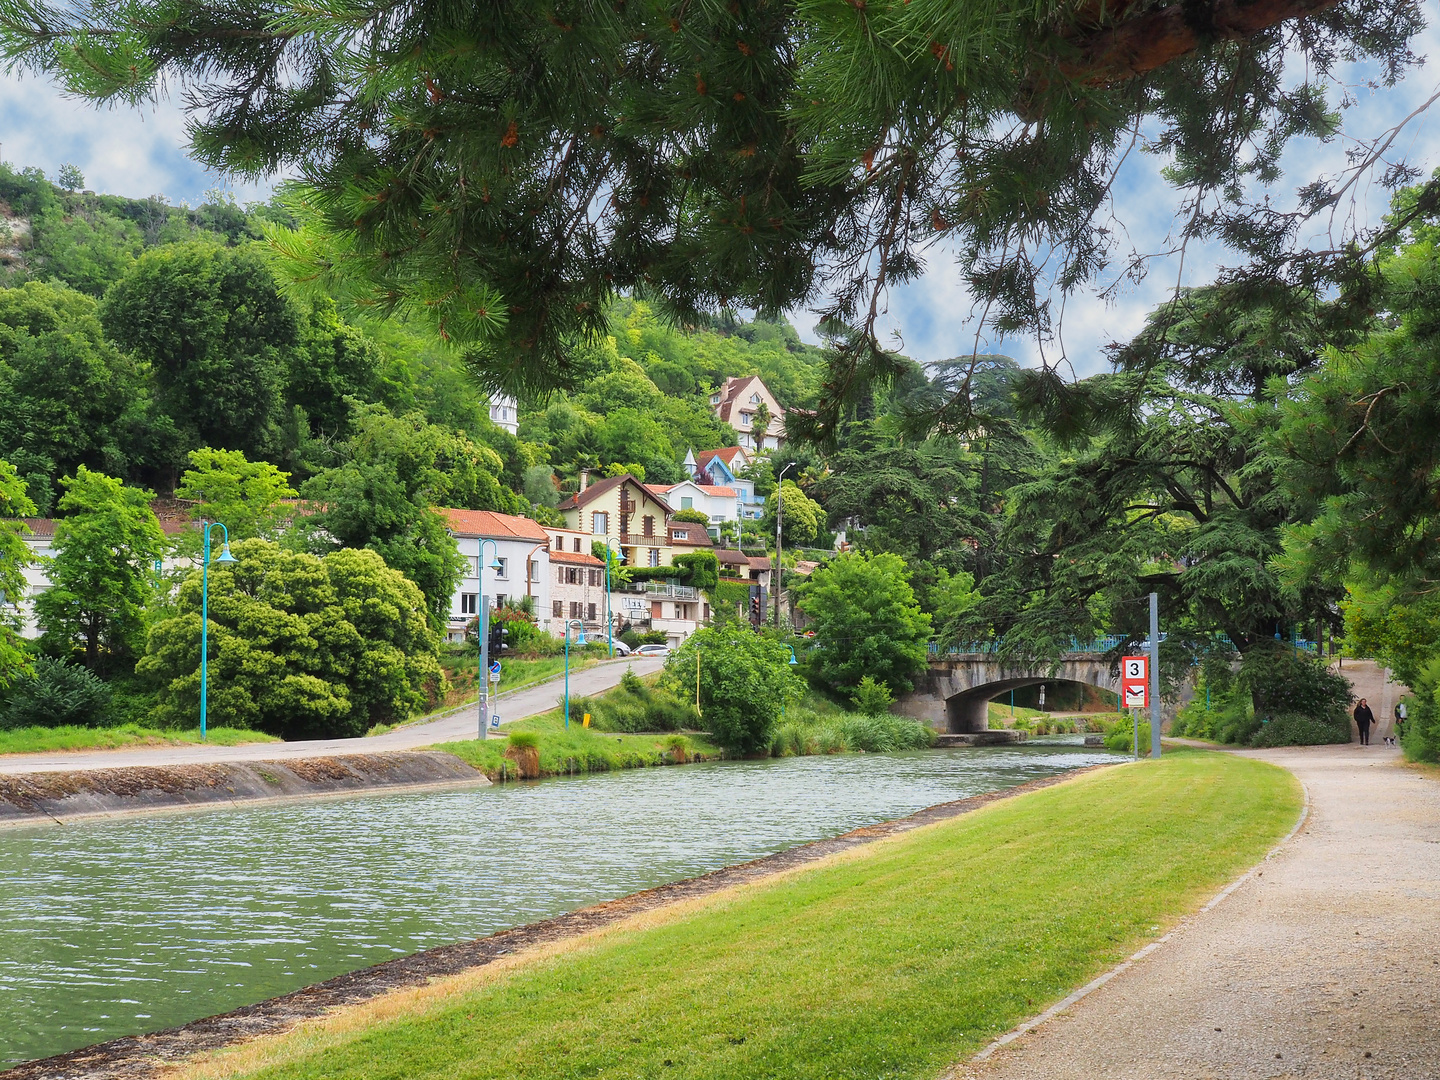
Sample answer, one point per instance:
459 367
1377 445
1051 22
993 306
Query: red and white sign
1134 682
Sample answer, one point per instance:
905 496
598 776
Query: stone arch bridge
954 692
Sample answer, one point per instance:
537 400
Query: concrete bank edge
145 1056
28 800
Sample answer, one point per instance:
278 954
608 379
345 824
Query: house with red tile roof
722 468
517 545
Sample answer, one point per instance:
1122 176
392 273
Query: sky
139 153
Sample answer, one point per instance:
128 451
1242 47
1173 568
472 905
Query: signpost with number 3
1135 690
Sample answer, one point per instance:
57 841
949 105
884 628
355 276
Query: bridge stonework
953 694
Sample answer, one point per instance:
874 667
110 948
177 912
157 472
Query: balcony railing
666 591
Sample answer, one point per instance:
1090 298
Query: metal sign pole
484 625
1155 675
1135 723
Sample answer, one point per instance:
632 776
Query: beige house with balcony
622 508
737 402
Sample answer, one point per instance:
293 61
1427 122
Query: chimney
584 479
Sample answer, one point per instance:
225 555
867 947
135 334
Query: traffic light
498 634
757 602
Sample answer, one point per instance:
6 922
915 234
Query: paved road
460 724
1326 963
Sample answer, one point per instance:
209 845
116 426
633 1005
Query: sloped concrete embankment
36 798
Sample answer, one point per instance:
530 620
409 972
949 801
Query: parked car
621 649
653 650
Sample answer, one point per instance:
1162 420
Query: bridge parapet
953 694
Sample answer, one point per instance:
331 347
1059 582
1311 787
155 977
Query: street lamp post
579 640
609 619
779 516
482 628
223 557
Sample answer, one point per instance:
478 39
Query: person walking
1363 719
1402 713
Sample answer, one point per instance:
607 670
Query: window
557 609
560 575
591 610
577 545
594 576
715 398
572 576
473 570
534 569
654 556
706 608
575 609
687 502
648 522
681 534
600 523
559 543
467 603
504 570
746 417
754 399
499 599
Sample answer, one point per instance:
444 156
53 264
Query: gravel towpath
1325 962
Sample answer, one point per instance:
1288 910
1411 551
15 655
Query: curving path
1325 962
451 727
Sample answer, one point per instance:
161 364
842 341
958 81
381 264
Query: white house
737 402
505 412
721 504
520 547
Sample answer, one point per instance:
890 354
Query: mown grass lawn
893 961
39 740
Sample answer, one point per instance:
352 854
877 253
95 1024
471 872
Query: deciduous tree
14 557
101 576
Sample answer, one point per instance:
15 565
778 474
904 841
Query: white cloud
121 151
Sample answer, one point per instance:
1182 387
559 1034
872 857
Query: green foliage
56 694
871 698
866 622
14 557
700 569
1399 630
634 707
804 732
745 682
1301 729
216 331
382 499
68 397
699 517
244 495
1122 737
1282 679
301 647
522 740
1421 737
802 516
101 574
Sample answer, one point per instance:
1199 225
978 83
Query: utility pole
779 516
484 628
1154 675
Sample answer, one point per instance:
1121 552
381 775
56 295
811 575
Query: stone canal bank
57 797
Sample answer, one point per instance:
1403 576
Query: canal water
120 927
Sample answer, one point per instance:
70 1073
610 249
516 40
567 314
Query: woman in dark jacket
1363 719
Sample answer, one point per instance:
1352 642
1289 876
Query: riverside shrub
1421 737
56 694
300 646
745 681
1298 729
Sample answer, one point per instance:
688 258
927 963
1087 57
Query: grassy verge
894 960
577 749
39 740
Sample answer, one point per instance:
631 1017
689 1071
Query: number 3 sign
1134 681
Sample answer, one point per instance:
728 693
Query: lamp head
792 655
580 637
494 564
225 556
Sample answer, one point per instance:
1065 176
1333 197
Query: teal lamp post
792 663
224 557
609 621
482 629
579 640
